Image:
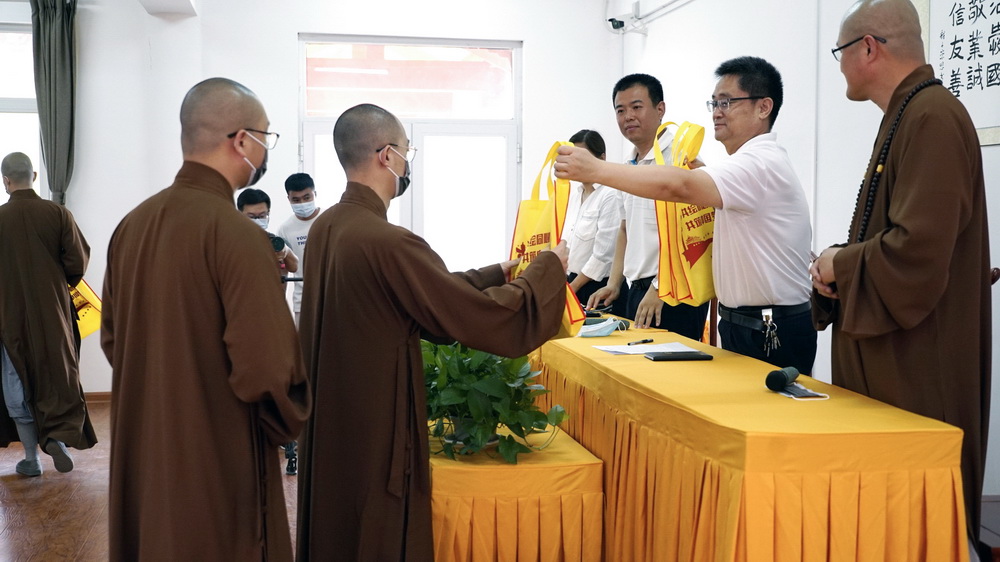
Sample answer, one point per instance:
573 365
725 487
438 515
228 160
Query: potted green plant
471 393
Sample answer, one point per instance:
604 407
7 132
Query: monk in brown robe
42 252
207 371
909 294
371 289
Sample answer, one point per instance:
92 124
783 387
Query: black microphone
778 380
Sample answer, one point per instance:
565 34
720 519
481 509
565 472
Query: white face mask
303 210
605 328
261 222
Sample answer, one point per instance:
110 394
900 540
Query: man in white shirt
639 109
762 231
301 192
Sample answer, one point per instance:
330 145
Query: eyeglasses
836 52
410 155
263 215
270 139
724 103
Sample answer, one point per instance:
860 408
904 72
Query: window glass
16 65
465 199
20 134
411 81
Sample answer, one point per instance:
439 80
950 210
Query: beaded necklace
873 188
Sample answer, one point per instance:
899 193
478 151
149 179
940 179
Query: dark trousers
795 332
592 286
686 320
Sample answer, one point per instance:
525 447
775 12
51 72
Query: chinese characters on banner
965 52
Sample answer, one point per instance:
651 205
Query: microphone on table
779 379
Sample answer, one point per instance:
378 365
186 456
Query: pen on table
647 340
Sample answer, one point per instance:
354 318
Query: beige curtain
55 85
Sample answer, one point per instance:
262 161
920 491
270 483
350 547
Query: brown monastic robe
372 287
912 326
41 252
207 379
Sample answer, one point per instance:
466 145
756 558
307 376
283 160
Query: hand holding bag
539 227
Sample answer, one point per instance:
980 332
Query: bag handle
546 170
557 190
686 145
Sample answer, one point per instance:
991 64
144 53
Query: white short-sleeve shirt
642 250
762 232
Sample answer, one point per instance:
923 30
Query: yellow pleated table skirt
547 507
703 462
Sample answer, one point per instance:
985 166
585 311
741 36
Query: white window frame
25 105
411 208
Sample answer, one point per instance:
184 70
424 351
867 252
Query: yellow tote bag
539 226
88 308
686 231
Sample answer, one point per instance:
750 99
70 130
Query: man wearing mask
255 205
302 196
373 290
207 373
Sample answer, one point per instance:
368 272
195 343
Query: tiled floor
57 517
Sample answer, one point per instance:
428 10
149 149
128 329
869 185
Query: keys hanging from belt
771 340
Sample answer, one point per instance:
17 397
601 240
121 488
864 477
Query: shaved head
215 108
361 131
895 20
17 168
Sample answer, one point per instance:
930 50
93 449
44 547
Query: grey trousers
13 390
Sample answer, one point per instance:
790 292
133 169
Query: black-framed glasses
411 151
836 51
724 103
270 139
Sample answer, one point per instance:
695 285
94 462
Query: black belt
753 317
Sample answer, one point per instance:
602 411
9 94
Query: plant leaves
479 405
492 387
557 414
510 447
452 395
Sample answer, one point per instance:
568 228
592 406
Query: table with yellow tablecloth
548 506
703 462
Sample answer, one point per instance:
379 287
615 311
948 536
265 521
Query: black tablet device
678 356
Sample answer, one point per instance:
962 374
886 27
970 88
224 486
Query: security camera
616 24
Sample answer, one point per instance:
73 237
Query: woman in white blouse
595 232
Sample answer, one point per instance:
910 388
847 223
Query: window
18 110
458 101
412 81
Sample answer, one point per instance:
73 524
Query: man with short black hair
762 230
639 108
42 253
301 191
255 205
